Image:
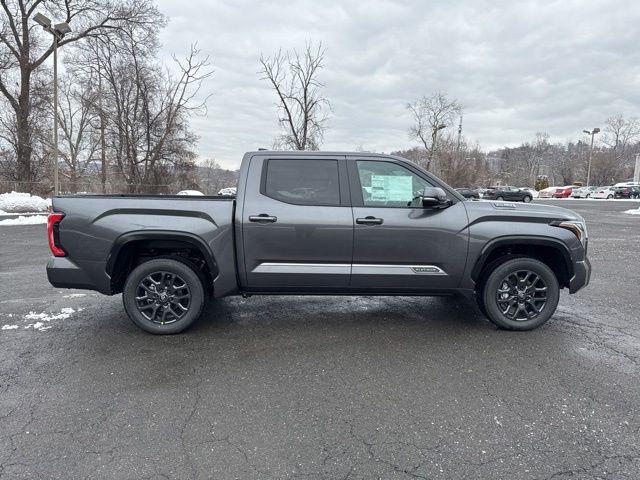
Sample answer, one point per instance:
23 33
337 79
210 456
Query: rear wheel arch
132 249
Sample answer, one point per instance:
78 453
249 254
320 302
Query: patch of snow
18 202
34 220
43 317
634 211
9 327
74 295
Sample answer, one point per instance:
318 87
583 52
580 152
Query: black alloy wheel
164 295
520 293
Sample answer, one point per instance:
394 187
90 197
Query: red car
563 192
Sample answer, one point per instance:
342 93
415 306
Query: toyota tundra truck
318 223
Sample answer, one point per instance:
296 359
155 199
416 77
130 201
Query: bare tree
303 110
23 49
79 140
431 114
148 116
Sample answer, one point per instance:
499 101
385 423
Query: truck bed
94 226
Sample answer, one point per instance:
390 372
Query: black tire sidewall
186 272
527 199
498 274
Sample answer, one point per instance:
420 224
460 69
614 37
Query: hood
510 211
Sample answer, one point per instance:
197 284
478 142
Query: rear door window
302 182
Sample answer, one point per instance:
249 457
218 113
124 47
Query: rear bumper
581 275
63 273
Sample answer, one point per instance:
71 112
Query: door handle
263 218
369 221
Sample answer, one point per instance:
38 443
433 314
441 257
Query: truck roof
316 153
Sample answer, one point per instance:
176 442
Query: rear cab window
302 182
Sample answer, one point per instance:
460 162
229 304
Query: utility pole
58 31
592 133
459 135
636 171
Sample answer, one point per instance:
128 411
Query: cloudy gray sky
517 66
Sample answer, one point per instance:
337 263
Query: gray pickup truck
318 223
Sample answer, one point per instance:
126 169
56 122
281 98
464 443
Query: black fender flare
491 245
170 235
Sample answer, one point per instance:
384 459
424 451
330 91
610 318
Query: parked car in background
228 192
509 193
468 193
628 191
532 191
604 192
627 184
481 191
583 192
547 192
194 193
563 192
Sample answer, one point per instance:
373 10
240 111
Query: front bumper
581 275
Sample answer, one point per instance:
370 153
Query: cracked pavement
323 387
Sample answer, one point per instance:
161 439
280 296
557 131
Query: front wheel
520 294
609 197
500 199
163 296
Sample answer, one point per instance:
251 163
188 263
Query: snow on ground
33 220
18 202
42 319
634 211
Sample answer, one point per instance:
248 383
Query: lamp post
59 30
592 133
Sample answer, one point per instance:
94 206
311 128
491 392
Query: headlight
577 227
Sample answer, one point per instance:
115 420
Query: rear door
398 244
297 223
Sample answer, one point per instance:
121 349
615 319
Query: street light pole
592 133
58 31
56 184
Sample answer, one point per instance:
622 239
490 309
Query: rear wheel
163 296
609 197
526 199
500 198
520 294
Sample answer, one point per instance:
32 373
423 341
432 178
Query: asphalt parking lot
323 387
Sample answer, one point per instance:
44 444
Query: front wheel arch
551 252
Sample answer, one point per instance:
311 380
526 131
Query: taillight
53 222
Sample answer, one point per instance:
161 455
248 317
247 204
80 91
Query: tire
526 199
174 294
530 307
609 197
588 195
500 198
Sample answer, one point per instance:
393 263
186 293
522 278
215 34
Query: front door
297 223
398 244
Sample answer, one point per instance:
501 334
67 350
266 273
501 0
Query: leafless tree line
451 157
123 117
